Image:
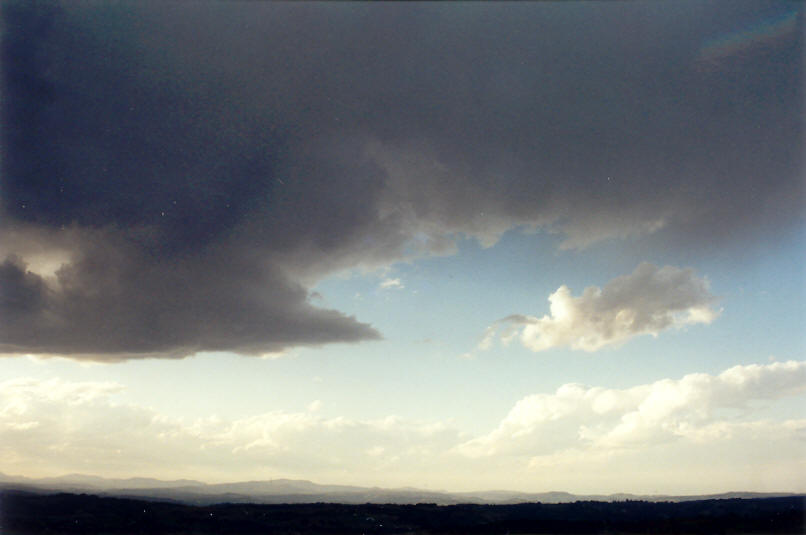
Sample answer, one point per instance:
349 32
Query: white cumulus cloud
698 407
579 438
647 301
59 426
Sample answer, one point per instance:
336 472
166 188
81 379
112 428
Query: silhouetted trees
23 513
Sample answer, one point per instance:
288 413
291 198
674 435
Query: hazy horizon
461 246
144 483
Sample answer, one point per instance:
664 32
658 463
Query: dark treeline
27 513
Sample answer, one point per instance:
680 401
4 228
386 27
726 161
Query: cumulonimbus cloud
207 163
649 300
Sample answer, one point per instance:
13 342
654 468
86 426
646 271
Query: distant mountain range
290 491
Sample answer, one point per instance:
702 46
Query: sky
459 246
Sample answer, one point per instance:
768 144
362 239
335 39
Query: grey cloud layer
209 161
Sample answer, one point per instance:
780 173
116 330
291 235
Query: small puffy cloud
649 300
693 408
389 283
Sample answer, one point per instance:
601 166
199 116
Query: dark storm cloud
209 161
115 301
